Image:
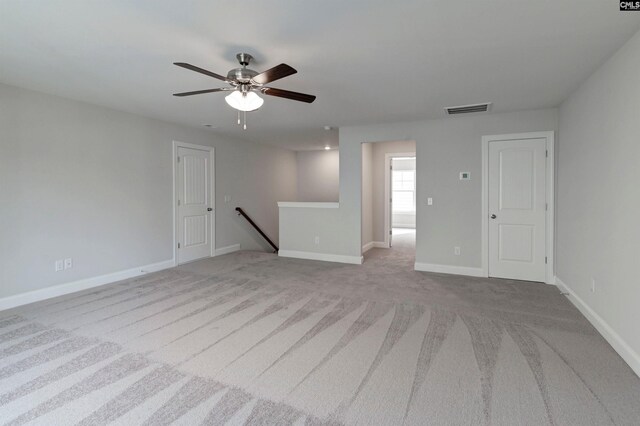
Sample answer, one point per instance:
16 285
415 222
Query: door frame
550 186
387 192
212 194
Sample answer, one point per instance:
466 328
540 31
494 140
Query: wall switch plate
456 251
59 265
429 201
465 176
227 198
316 240
68 263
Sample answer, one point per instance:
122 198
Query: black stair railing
257 228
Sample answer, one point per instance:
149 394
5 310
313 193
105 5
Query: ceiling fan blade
200 92
273 74
200 70
296 96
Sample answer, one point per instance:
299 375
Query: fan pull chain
243 121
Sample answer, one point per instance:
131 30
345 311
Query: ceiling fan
245 84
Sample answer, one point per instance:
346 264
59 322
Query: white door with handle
195 217
517 208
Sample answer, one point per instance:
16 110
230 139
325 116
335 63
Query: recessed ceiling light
327 148
327 127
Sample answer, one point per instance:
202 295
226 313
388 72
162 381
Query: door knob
209 209
493 216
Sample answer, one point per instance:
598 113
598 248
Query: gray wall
444 147
598 236
300 226
95 184
379 151
318 175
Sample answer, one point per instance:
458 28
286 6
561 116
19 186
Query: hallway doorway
389 202
400 191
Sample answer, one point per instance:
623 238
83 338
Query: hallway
403 238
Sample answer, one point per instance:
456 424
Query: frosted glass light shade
248 101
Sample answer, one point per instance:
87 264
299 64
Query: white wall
598 198
404 163
95 184
318 175
367 194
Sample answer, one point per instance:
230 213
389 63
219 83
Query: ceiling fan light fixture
244 83
244 101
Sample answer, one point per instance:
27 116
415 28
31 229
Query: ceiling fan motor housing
241 75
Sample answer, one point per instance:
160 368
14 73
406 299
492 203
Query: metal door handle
209 209
493 216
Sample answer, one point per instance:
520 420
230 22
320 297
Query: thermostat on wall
465 176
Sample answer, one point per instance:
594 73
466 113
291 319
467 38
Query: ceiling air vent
468 109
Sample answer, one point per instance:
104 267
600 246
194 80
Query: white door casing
389 217
194 202
518 206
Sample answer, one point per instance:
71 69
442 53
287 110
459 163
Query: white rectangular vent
468 109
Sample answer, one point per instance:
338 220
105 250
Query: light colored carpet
404 238
250 338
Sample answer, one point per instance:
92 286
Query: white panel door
517 209
195 214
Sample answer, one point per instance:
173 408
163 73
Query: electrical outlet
316 240
593 285
456 251
429 201
59 265
68 263
227 198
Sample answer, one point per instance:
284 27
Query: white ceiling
367 61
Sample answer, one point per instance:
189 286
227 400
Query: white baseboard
373 244
623 349
62 289
325 257
228 249
450 269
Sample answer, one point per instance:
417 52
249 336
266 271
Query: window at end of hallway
404 194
